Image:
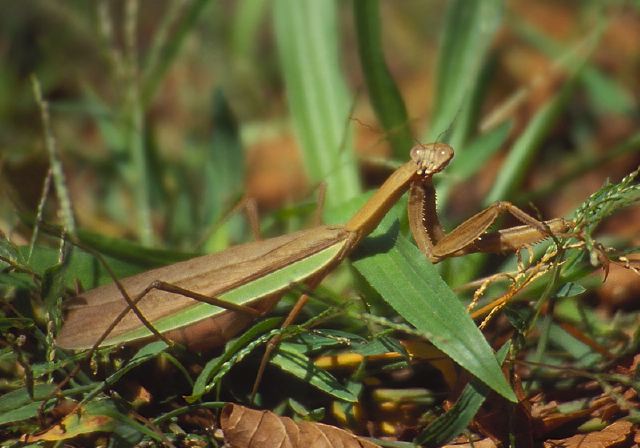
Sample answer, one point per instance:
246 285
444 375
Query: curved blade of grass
202 385
383 91
296 363
416 291
468 32
307 39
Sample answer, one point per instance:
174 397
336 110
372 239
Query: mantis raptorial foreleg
470 236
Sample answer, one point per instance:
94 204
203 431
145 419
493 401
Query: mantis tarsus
206 300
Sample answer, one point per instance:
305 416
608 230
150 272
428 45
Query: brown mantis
206 300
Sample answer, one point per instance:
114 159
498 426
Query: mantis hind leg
169 287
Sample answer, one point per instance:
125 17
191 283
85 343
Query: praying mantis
208 299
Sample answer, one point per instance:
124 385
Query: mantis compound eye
431 158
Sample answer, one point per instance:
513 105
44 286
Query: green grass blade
582 165
246 26
458 418
55 161
525 148
478 152
296 363
155 73
224 173
383 91
307 39
467 119
414 289
469 30
203 383
472 159
606 94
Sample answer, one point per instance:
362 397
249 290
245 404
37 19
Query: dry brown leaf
73 425
484 443
615 435
248 428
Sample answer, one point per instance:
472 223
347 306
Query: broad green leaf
20 413
383 91
20 397
17 405
298 364
307 39
412 286
570 289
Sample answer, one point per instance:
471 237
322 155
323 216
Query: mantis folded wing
254 273
233 286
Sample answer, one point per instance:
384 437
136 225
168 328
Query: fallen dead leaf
72 426
249 428
615 435
484 443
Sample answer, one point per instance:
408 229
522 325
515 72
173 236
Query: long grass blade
469 30
307 39
383 91
525 148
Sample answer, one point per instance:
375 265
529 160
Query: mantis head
431 158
